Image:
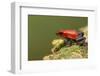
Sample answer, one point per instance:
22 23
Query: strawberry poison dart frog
72 36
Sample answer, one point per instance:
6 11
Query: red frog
72 36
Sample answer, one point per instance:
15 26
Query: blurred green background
42 30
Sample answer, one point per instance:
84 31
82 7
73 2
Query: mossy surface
72 52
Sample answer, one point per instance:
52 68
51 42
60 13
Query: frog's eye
59 33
